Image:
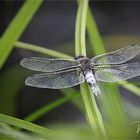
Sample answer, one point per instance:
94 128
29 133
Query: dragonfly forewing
48 65
117 57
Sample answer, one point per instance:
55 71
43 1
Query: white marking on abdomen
90 79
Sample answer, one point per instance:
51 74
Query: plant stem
40 49
26 125
80 47
92 112
110 98
131 87
94 35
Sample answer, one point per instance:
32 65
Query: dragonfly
64 73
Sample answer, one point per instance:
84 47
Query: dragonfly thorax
84 63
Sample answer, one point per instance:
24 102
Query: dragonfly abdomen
90 79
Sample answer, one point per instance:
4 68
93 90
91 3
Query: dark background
54 25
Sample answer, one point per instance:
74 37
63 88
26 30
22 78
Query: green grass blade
133 83
80 47
8 95
45 109
12 133
77 100
112 105
93 114
26 125
16 28
110 98
94 35
131 87
40 49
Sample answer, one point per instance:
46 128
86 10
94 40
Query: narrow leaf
17 27
26 125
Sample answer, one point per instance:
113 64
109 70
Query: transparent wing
55 81
117 73
48 65
117 57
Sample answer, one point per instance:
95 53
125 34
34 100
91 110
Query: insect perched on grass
64 73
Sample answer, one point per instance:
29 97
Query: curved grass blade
93 114
26 125
110 94
40 49
47 108
16 28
